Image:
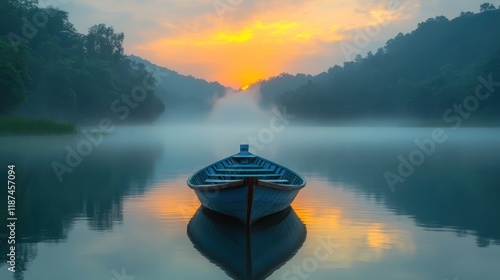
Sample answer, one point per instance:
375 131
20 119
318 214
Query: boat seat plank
276 181
230 181
219 181
243 170
243 166
244 156
244 175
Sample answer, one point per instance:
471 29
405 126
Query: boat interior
237 168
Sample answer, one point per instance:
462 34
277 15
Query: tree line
48 69
416 76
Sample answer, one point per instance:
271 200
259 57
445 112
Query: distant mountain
272 87
186 97
419 76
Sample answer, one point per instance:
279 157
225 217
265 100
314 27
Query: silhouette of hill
184 96
417 77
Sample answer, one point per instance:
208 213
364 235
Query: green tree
11 13
103 43
13 76
487 7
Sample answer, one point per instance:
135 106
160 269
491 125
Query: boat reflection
243 252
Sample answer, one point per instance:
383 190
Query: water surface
124 210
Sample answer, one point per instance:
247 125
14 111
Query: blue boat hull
246 186
233 201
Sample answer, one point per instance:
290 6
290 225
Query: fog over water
124 203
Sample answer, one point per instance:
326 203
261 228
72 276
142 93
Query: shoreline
18 126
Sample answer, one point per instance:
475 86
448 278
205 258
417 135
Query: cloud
250 40
250 47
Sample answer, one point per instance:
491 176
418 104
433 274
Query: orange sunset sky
238 42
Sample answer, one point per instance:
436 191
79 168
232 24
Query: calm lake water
125 211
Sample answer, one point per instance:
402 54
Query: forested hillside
186 97
49 70
416 76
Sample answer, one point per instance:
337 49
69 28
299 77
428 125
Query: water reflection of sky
151 242
441 224
362 231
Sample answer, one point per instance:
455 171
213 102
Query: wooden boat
253 252
246 186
